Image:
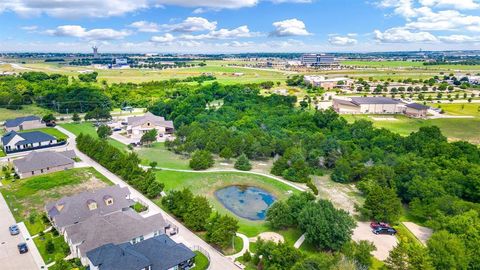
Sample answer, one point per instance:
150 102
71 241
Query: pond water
246 202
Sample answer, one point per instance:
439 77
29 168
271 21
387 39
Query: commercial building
321 81
378 105
318 60
416 110
38 163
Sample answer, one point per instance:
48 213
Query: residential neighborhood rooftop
160 253
28 137
118 227
18 121
70 210
149 117
45 159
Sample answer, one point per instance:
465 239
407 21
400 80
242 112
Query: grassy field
408 64
454 129
201 261
470 109
206 184
27 197
162 156
51 131
26 110
60 247
89 129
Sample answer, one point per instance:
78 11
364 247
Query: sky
236 26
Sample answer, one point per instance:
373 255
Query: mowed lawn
50 131
206 184
164 158
459 109
28 197
89 129
454 129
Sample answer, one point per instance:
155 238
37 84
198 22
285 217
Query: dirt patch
269 236
342 196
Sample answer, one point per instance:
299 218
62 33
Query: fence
204 252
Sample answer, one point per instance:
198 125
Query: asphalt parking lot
384 243
10 258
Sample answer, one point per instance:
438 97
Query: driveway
217 260
10 258
422 233
383 243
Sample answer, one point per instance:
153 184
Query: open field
27 197
454 129
162 156
26 110
206 184
88 128
409 64
471 109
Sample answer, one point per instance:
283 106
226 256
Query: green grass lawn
50 131
2 154
61 248
89 129
206 184
167 159
454 129
27 197
470 109
201 261
6 114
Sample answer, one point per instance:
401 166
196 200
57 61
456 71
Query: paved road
217 260
10 259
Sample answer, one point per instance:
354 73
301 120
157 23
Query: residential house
92 219
17 142
23 123
139 125
416 110
37 163
157 253
368 105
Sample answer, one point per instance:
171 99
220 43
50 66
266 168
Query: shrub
49 247
201 160
242 163
312 187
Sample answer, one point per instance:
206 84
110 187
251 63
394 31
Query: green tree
76 118
382 204
447 251
360 252
103 131
221 230
49 118
49 247
243 163
149 137
154 189
320 261
198 211
408 256
153 164
325 226
226 153
201 160
277 256
279 215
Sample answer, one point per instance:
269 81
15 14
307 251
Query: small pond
246 202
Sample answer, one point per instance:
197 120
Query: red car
375 225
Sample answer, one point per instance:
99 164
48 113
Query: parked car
22 248
14 230
117 129
384 230
376 224
51 124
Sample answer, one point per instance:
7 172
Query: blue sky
232 26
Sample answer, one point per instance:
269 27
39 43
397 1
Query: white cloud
457 4
78 31
211 3
144 26
192 24
29 28
445 20
342 40
291 27
73 8
239 32
459 39
167 38
291 1
402 35
401 7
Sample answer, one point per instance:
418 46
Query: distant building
17 142
320 81
368 105
157 253
318 60
23 123
474 79
139 125
121 61
38 163
95 51
416 110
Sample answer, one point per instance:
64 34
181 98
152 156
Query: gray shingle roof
28 137
417 106
149 117
41 160
75 209
374 100
161 252
18 121
116 228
